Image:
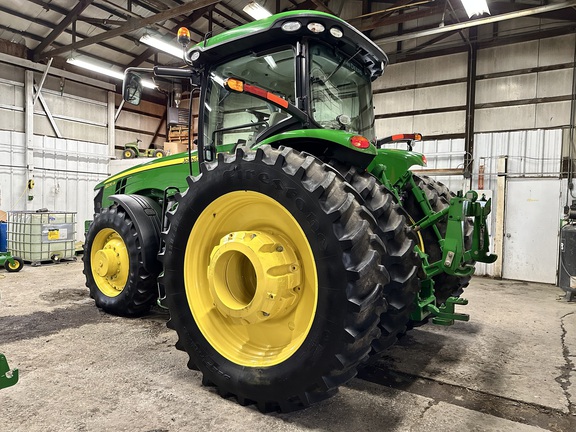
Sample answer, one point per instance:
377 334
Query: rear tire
438 195
115 275
400 260
288 359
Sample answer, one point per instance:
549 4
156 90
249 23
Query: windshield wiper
344 60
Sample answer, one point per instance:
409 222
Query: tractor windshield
341 92
230 117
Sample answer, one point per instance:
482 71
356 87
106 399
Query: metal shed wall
519 86
65 173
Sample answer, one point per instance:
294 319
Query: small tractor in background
11 263
132 150
291 247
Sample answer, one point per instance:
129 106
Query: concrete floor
512 368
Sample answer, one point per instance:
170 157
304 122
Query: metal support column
111 128
470 103
29 134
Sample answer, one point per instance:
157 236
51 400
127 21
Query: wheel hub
109 262
254 276
106 262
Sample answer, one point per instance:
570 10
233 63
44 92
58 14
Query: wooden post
500 207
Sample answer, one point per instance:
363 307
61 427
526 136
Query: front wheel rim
250 279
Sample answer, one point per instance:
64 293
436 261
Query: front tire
113 265
16 267
272 278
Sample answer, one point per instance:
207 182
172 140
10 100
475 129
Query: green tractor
290 248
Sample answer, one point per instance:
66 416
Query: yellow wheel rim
109 262
13 266
250 279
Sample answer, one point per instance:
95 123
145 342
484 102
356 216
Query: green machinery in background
8 377
11 263
132 150
292 247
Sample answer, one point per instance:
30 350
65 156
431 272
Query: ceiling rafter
47 24
62 11
188 21
242 14
371 24
133 24
65 22
321 5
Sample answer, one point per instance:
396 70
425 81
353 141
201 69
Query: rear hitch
441 315
446 315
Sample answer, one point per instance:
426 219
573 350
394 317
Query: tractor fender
325 144
397 162
145 214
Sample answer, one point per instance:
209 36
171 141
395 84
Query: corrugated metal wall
518 87
65 173
65 170
533 153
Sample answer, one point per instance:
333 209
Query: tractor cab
294 71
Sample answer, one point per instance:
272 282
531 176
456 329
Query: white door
531 227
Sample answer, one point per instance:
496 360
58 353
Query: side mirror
132 88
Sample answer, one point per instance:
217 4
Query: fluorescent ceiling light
475 7
105 70
256 11
96 68
173 50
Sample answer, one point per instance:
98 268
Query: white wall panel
441 68
554 83
553 114
11 103
440 124
506 88
556 50
397 75
391 126
399 101
507 58
505 118
440 96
